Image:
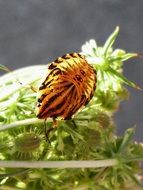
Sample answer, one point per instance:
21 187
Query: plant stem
24 73
23 78
59 164
22 122
32 121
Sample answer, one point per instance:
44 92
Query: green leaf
127 138
109 42
122 58
122 78
134 178
4 68
19 172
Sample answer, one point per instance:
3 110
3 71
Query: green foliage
90 135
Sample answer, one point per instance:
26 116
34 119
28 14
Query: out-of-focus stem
59 164
32 121
22 123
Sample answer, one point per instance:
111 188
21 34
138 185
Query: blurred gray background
37 31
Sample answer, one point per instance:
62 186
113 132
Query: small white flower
89 48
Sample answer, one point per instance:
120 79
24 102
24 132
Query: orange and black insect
69 85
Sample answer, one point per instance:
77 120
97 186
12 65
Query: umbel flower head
108 63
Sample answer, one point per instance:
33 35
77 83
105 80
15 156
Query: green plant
83 153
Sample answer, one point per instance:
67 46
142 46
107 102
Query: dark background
37 31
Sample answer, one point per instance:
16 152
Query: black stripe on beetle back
54 111
47 84
91 95
87 101
44 84
52 66
55 72
57 114
82 72
63 105
58 72
58 60
53 98
78 77
81 56
68 63
72 109
41 98
66 56
41 113
74 55
75 62
94 87
95 79
70 113
68 116
64 82
95 71
39 104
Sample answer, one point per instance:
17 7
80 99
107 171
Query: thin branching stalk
33 121
37 70
22 123
22 77
59 164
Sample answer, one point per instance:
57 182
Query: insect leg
47 131
55 123
73 122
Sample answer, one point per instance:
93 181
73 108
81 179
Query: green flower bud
27 142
